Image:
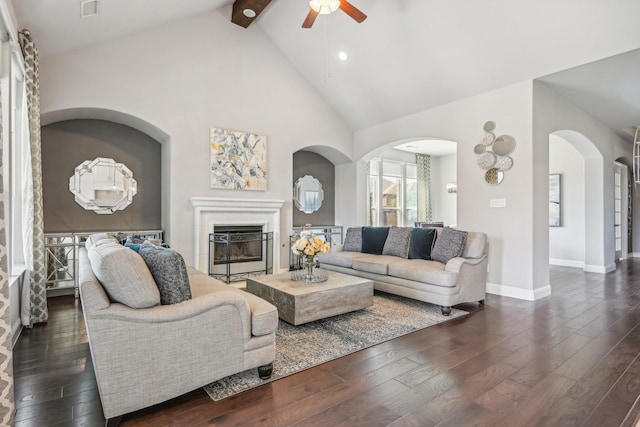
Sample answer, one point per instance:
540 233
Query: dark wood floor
572 359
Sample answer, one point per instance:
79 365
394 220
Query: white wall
567 242
509 229
185 77
444 204
600 146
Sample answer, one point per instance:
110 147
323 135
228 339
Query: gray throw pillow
169 271
123 275
353 240
449 244
397 243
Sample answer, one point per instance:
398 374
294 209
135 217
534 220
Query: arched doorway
578 240
412 180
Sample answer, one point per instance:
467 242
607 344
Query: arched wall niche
70 135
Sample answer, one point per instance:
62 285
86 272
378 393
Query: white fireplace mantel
209 211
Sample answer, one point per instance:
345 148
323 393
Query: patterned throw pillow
397 243
449 244
353 240
169 271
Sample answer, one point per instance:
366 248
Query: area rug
302 347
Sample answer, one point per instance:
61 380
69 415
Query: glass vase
310 262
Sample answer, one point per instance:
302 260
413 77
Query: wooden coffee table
300 302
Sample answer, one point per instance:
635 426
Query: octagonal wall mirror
103 186
307 194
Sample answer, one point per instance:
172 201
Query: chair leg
113 422
446 311
265 371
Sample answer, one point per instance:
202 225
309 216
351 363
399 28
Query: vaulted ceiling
408 55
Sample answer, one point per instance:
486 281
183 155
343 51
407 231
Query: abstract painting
238 160
554 200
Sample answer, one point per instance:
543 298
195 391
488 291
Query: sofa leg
446 310
481 302
265 371
113 422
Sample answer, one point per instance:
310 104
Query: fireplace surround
210 212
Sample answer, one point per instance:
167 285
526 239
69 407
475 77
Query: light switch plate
498 203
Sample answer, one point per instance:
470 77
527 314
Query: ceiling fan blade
310 19
352 11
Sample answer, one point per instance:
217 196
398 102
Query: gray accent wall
308 163
67 144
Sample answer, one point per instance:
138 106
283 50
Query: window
15 138
392 193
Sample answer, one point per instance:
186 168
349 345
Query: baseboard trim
16 330
566 263
519 293
602 269
634 255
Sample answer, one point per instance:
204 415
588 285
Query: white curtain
27 217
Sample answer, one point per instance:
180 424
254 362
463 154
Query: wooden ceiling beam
237 15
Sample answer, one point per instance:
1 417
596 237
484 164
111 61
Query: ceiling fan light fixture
324 7
249 13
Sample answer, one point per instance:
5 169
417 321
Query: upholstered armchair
144 356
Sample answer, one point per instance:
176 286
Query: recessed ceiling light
249 13
342 55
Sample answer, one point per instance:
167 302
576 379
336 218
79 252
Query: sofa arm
472 277
175 312
454 264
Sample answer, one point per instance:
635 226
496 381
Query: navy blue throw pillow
421 243
373 239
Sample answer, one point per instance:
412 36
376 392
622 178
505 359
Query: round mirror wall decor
504 163
504 145
494 153
489 126
487 160
494 176
307 194
479 149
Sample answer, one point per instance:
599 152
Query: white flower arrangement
309 245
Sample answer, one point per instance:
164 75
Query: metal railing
61 255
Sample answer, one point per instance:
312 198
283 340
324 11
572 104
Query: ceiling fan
246 11
325 7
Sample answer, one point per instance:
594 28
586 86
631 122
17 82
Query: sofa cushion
353 240
419 270
421 243
94 238
339 258
397 243
475 244
124 275
449 244
378 264
264 316
373 239
169 272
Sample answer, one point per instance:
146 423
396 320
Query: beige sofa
461 279
144 356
